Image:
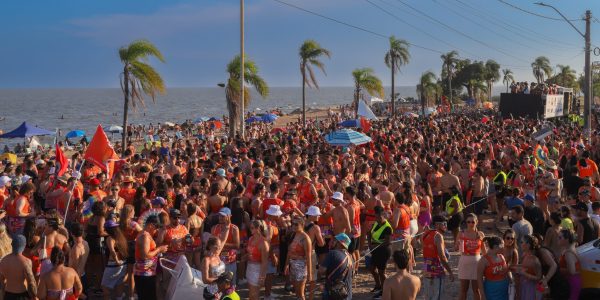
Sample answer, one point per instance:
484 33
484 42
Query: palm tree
396 57
310 52
566 76
492 74
232 90
449 61
426 88
541 68
507 77
138 77
365 79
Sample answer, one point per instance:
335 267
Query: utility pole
587 86
589 95
243 68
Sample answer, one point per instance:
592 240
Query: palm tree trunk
489 91
450 89
393 95
356 96
125 108
507 87
303 97
423 103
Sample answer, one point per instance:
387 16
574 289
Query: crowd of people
284 205
534 88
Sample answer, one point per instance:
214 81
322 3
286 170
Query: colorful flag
61 159
365 124
100 152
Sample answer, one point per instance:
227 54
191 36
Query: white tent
365 111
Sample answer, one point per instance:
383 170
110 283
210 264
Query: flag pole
73 188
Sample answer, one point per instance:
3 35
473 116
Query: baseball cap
95 182
529 197
338 196
313 211
221 172
343 239
174 213
159 201
25 178
225 212
4 180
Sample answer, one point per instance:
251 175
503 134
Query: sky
74 44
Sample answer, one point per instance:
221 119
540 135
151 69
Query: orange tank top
174 237
471 246
429 248
12 208
562 264
275 230
253 250
495 271
404 221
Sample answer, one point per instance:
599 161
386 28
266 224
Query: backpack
338 289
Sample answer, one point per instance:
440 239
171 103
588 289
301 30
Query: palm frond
142 49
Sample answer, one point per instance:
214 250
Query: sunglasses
510 238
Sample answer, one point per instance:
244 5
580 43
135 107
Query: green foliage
507 78
566 77
365 79
398 53
310 54
142 78
541 68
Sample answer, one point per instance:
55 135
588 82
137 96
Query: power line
534 35
415 27
352 26
462 33
507 38
535 14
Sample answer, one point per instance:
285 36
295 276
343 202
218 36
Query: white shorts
253 273
467 267
414 227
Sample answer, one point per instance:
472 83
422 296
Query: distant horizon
198 87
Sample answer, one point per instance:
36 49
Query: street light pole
242 66
587 86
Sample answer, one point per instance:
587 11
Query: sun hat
274 210
4 180
221 172
225 211
343 239
25 179
338 196
111 224
159 201
313 211
305 174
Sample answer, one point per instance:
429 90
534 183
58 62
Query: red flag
100 152
61 159
365 124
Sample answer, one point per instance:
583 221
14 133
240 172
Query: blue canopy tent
75 134
269 118
253 119
350 123
201 119
214 119
346 137
24 131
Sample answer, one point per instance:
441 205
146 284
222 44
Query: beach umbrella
214 119
253 119
350 123
269 118
346 137
277 130
9 157
75 133
201 119
25 130
113 129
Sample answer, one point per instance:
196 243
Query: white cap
313 211
25 178
4 180
338 196
274 210
40 162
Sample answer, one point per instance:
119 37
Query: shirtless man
51 238
401 285
477 185
386 197
16 273
79 253
448 180
341 220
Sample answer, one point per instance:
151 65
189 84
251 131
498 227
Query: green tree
566 77
310 54
468 74
449 61
491 75
507 77
232 90
541 68
426 89
397 56
364 79
138 78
